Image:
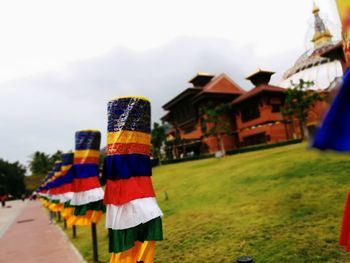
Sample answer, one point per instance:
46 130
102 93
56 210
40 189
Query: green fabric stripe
81 210
44 198
67 204
121 240
54 201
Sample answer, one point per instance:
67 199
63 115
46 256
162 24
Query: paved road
31 239
8 215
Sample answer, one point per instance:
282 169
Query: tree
55 157
299 101
157 139
218 120
41 163
39 166
12 178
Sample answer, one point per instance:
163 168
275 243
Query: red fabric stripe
85 184
62 189
345 229
128 148
122 191
86 160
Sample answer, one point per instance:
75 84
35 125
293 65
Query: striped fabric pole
334 134
133 217
64 190
43 191
87 192
61 187
55 205
344 11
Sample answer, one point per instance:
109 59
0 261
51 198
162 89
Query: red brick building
256 115
186 127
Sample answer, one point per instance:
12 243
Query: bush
192 158
230 152
262 147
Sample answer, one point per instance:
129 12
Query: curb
75 250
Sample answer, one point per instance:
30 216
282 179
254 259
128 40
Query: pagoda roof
201 79
165 117
257 91
221 85
187 92
260 77
334 52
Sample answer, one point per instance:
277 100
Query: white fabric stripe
85 197
131 214
63 197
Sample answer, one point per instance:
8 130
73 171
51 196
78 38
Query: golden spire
322 35
315 10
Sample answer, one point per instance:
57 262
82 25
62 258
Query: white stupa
311 66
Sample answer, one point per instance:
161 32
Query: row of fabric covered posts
73 189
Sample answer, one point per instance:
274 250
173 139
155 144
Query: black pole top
245 259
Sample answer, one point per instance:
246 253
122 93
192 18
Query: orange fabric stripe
128 148
86 160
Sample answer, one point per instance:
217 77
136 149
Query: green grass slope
278 205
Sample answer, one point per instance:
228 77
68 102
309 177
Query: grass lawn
278 205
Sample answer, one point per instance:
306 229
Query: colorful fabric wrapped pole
61 187
43 190
87 192
64 192
133 217
55 205
344 11
334 134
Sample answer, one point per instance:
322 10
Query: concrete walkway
30 238
9 214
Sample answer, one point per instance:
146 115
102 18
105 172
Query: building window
276 107
259 138
250 112
203 125
189 128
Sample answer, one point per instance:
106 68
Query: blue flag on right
334 133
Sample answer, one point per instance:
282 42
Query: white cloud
61 61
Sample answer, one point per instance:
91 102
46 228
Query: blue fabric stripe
334 133
57 167
87 140
127 165
65 179
67 158
85 170
129 114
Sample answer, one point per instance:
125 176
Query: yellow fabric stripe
66 167
90 130
86 153
67 212
343 7
56 207
140 252
128 137
90 217
130 97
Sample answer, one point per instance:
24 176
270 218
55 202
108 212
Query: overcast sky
61 61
